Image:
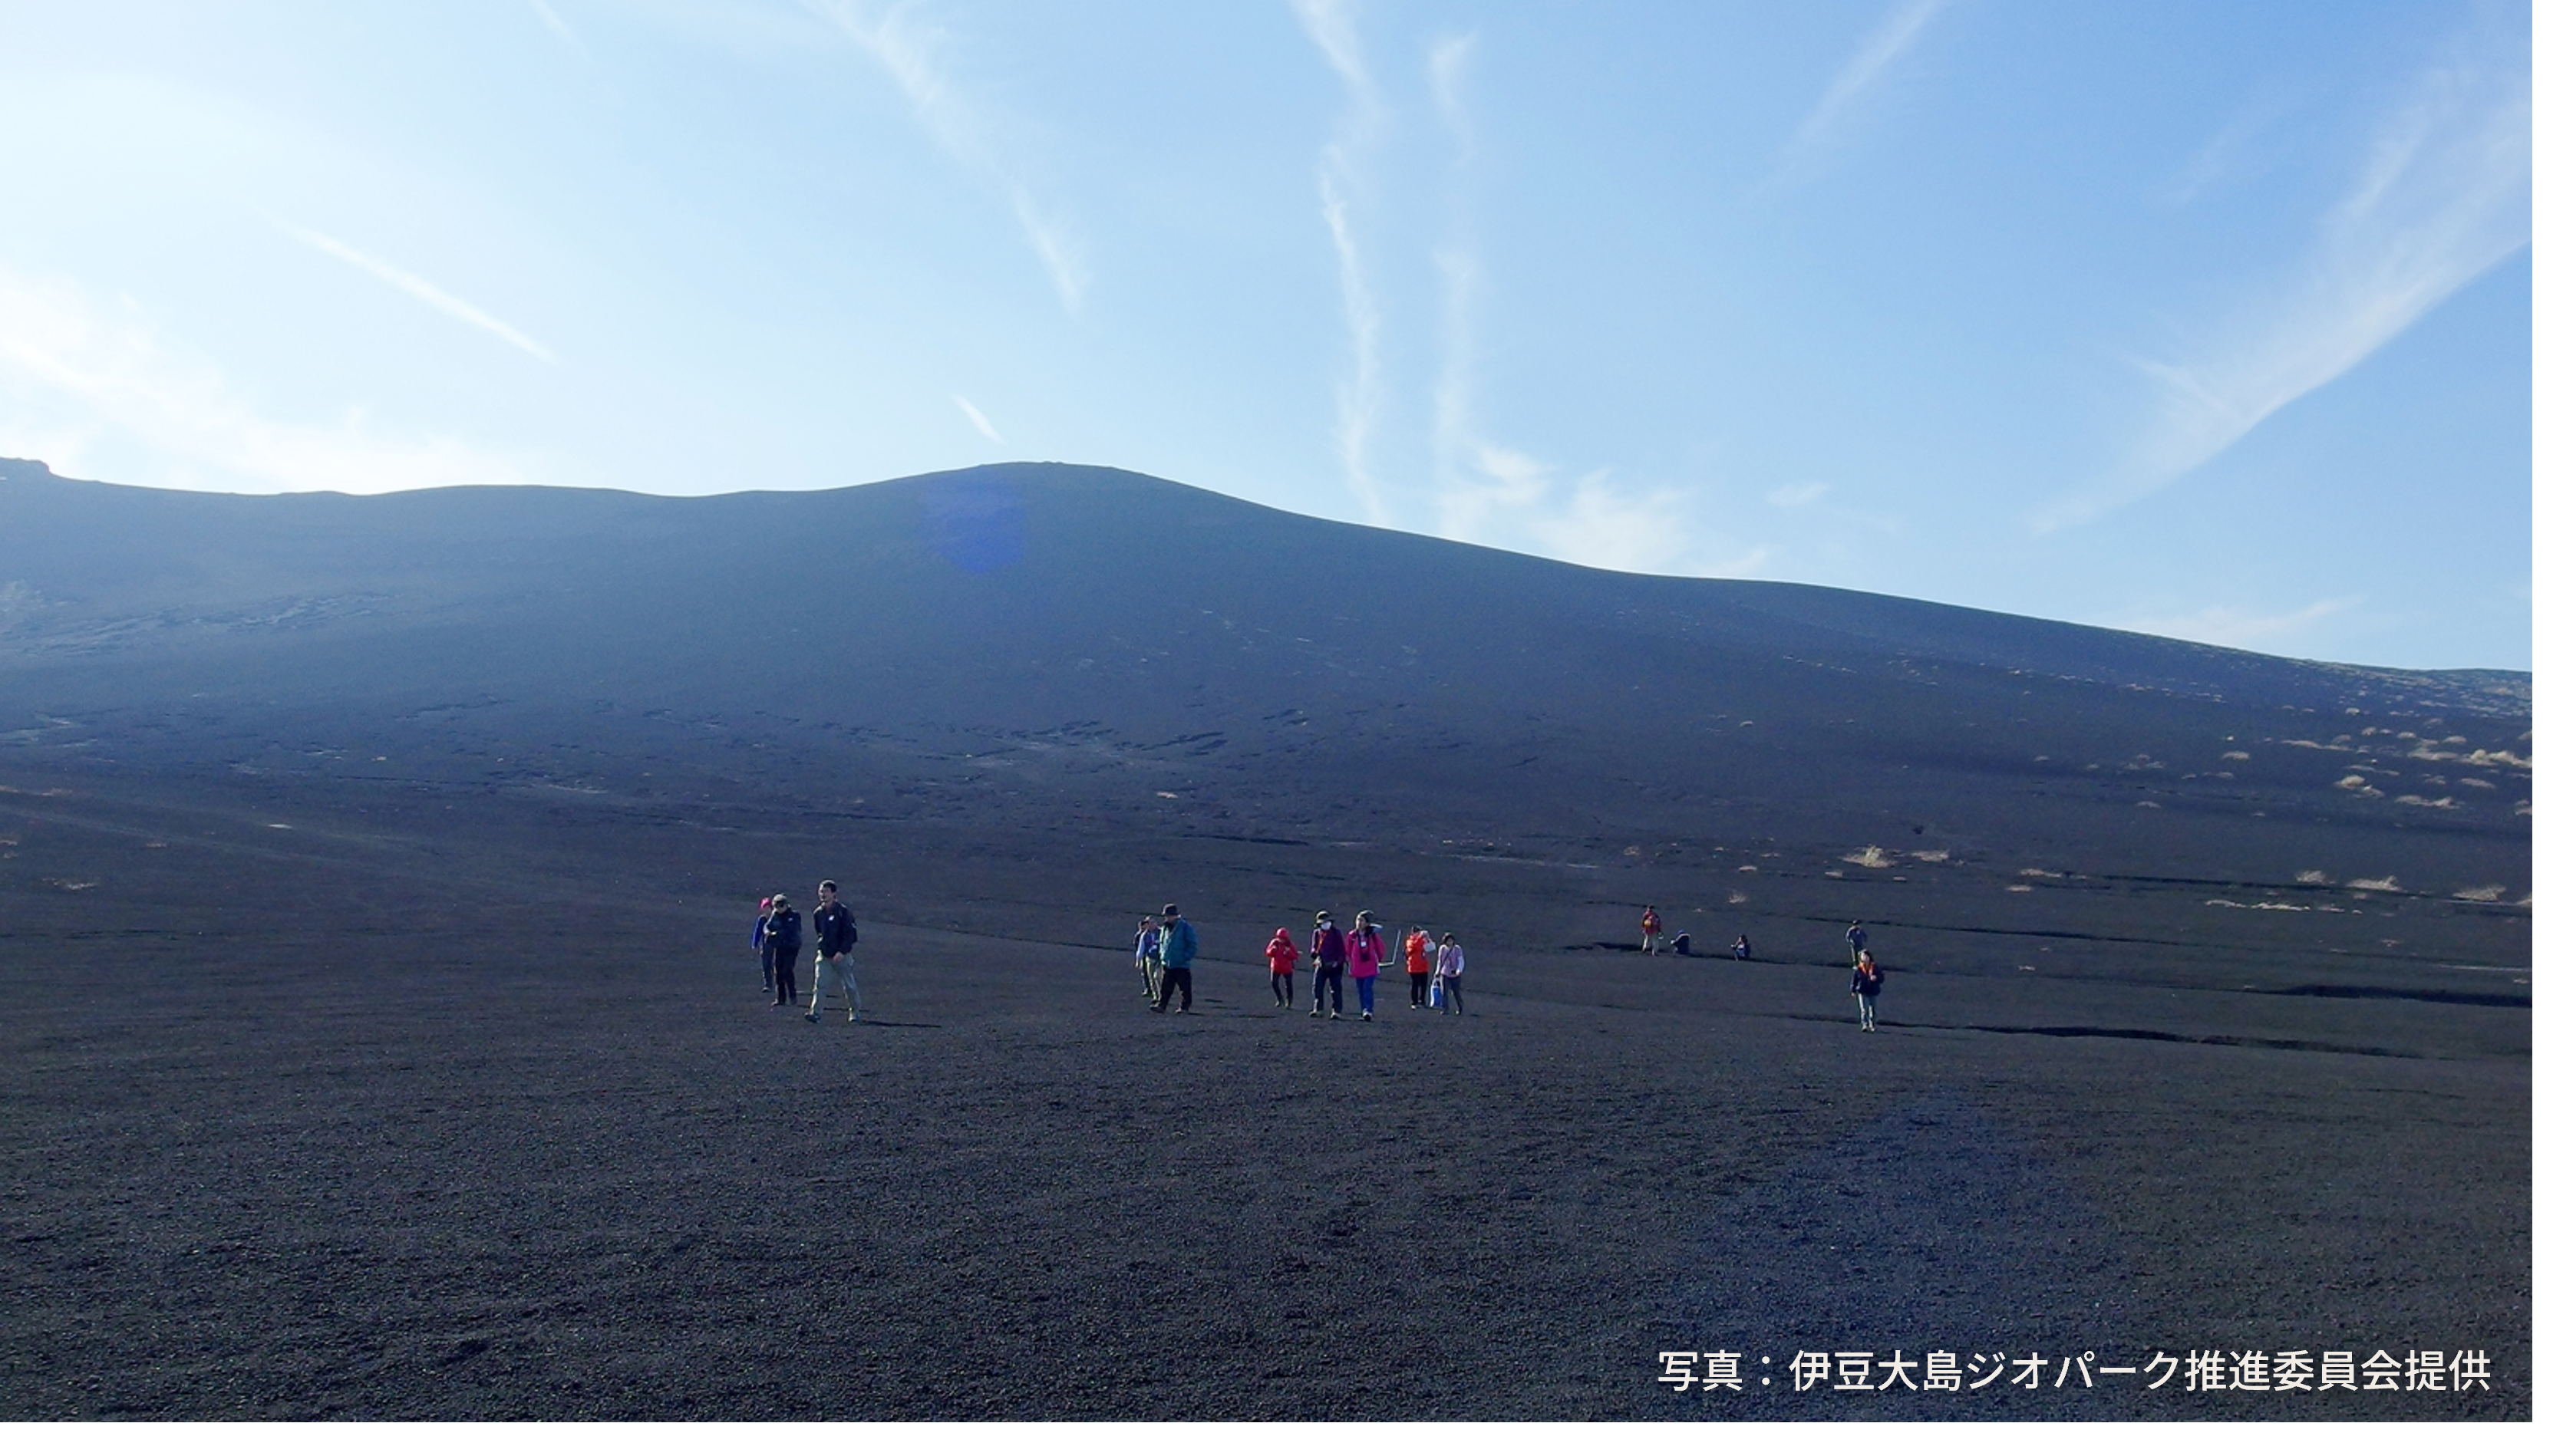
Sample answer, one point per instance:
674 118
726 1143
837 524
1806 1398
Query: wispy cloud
97 389
422 291
2440 198
2241 149
2227 626
1799 493
1505 497
975 416
1449 64
1332 29
912 49
557 26
1494 494
1880 51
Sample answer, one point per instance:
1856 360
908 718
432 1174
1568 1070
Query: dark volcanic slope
1087 642
372 887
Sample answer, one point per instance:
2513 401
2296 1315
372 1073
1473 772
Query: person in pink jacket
1366 950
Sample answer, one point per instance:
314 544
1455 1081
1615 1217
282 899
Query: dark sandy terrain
381 1039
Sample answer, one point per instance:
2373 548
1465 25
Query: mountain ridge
1073 645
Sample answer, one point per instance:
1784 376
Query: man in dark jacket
1329 964
782 935
1178 952
836 931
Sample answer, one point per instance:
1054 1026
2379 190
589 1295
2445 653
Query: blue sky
2189 318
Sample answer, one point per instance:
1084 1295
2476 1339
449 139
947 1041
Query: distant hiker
1866 977
836 933
1415 949
1329 963
1860 941
1650 925
782 936
1742 950
1281 955
1449 974
1148 957
762 942
1178 949
1365 961
1683 943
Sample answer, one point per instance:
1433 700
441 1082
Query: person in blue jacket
1178 952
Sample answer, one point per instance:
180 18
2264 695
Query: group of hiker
1434 964
779 933
1165 951
1165 947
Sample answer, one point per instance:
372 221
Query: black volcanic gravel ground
317 1134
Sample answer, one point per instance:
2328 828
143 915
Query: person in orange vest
1281 955
1650 925
1417 954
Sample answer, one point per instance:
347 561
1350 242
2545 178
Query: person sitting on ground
1684 943
1281 955
1741 949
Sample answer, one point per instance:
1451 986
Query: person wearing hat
1282 955
1178 952
1329 963
783 934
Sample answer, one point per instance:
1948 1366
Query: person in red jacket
1417 955
1281 955
1650 926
